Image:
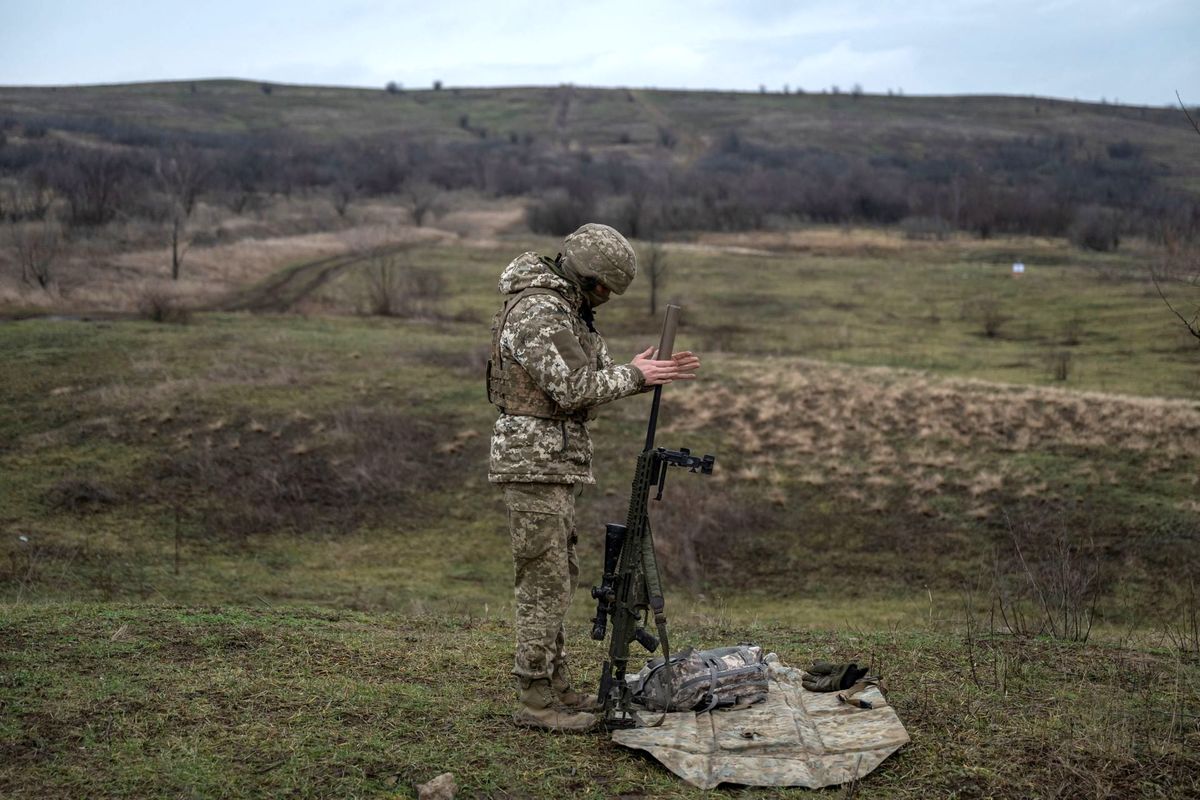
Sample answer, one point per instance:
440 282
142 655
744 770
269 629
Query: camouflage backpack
702 680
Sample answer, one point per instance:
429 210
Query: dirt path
283 290
689 145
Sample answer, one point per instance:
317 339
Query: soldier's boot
538 707
560 681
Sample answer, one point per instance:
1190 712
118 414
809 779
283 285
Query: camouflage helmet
600 252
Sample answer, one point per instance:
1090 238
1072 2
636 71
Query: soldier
548 369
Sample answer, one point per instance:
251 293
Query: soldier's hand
687 363
657 372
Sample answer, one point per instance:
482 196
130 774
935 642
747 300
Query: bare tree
343 193
37 246
181 176
383 273
423 199
654 263
91 181
395 284
396 287
1189 274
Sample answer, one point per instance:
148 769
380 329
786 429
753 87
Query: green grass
291 515
165 700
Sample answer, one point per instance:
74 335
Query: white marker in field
1018 269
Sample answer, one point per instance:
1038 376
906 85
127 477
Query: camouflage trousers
541 522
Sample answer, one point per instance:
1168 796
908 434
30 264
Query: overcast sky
1136 52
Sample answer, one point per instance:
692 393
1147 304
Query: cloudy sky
1135 51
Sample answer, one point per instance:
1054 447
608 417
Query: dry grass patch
874 429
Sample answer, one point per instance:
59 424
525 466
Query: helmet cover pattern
600 252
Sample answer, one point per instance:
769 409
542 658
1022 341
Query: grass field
153 700
257 554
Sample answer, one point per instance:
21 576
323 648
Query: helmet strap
586 311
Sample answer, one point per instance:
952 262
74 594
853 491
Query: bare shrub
991 316
37 247
1096 229
80 495
342 194
157 304
396 287
93 182
423 199
1046 580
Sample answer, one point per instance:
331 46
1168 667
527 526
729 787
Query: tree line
95 170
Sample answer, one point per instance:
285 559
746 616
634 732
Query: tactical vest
509 386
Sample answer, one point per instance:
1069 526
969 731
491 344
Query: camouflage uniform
538 460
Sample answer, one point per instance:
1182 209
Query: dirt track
283 290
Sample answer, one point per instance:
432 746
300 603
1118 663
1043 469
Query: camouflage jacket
540 335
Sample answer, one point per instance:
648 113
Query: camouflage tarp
794 738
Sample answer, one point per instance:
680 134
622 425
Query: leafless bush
990 314
1096 229
80 495
396 287
1046 580
93 183
423 199
343 192
37 247
157 304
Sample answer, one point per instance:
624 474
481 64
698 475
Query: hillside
621 119
652 162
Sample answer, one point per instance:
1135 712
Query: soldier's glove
825 677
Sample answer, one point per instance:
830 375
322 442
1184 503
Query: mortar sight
683 458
